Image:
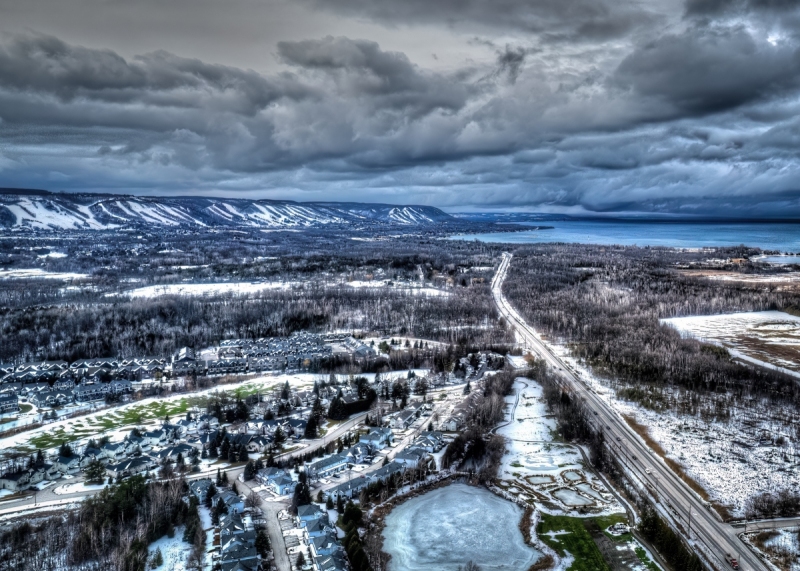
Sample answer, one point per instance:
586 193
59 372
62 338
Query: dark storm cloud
709 69
44 64
361 69
576 19
718 7
573 106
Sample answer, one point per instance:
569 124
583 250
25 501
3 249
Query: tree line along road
712 538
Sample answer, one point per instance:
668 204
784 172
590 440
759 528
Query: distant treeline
606 304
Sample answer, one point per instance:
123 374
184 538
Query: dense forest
110 532
605 303
42 319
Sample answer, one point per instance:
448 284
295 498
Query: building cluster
236 533
300 351
50 384
311 531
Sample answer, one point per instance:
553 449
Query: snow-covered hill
51 211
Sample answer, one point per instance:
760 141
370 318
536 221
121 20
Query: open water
783 237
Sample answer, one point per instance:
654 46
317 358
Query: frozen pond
571 497
448 527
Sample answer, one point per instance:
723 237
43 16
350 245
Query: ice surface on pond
448 527
571 497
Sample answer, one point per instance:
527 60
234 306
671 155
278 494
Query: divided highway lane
706 529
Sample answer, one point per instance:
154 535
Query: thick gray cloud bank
578 106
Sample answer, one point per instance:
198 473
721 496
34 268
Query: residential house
9 402
325 544
16 481
348 489
404 419
283 485
309 512
130 467
358 453
200 488
412 457
327 466
378 438
234 503
68 464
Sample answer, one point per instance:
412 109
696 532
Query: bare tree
253 500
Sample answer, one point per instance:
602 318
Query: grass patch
608 520
25 407
642 555
577 542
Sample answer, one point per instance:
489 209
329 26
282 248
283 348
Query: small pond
571 498
447 527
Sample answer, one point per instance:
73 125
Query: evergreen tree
210 493
249 471
279 437
262 543
95 472
65 450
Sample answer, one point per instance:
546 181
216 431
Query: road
642 464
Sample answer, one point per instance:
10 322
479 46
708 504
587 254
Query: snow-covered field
729 460
550 474
248 288
38 273
781 547
412 289
201 289
174 551
767 338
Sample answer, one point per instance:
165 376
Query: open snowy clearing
728 459
249 288
205 289
767 338
38 273
174 551
780 546
549 474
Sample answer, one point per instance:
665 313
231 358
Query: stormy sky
674 107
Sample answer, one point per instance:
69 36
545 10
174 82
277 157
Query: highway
642 465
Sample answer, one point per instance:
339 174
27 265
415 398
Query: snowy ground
38 273
767 338
201 289
248 288
780 546
534 468
76 487
174 550
730 460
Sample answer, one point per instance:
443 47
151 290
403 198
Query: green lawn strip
577 542
642 555
25 408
